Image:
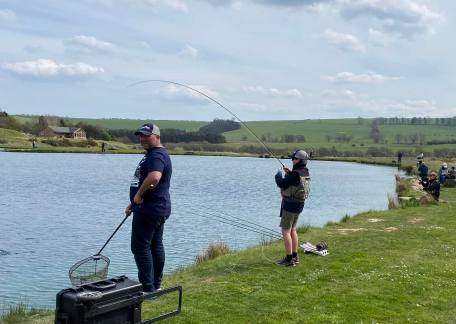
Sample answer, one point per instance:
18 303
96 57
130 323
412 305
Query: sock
295 254
289 257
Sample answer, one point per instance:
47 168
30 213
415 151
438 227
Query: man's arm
152 179
289 180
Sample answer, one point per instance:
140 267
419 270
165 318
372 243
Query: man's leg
294 240
287 240
158 254
143 229
286 224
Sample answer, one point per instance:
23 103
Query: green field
316 131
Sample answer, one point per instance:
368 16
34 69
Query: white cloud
7 16
88 45
350 77
253 107
378 38
173 4
174 91
403 17
274 92
343 41
365 105
189 51
49 69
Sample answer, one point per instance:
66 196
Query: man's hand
137 199
286 169
128 210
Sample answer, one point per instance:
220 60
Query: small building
64 132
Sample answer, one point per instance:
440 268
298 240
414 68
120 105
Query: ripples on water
56 209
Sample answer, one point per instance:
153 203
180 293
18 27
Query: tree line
210 133
446 121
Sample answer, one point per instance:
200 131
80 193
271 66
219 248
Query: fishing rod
215 101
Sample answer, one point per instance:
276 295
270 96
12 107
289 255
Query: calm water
56 209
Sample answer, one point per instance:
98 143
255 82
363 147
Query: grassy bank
392 266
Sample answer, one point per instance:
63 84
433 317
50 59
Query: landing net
91 269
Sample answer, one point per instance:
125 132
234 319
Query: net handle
109 239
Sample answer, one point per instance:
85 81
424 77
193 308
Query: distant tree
40 125
375 134
62 123
421 138
360 120
300 138
413 138
398 138
95 131
218 126
342 138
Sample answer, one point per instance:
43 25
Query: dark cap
300 155
148 129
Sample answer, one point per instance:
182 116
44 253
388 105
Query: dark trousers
148 250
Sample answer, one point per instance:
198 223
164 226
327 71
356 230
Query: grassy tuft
22 313
213 251
345 218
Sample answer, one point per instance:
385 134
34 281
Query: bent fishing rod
216 102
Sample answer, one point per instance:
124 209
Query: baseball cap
148 129
300 155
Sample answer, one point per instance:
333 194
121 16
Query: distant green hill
119 123
349 137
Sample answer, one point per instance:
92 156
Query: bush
214 250
91 142
62 142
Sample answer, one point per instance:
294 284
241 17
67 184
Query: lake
56 209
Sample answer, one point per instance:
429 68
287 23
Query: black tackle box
115 301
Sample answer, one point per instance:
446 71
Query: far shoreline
383 161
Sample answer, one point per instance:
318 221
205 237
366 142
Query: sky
262 59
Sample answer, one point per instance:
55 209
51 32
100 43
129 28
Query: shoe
286 263
149 294
296 260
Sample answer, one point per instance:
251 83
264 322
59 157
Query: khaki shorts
288 219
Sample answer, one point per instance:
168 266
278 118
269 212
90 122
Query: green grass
21 313
11 138
394 266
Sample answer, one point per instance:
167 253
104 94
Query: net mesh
91 269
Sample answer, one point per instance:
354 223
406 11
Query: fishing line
246 225
265 230
215 101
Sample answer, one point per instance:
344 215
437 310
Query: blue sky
264 59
